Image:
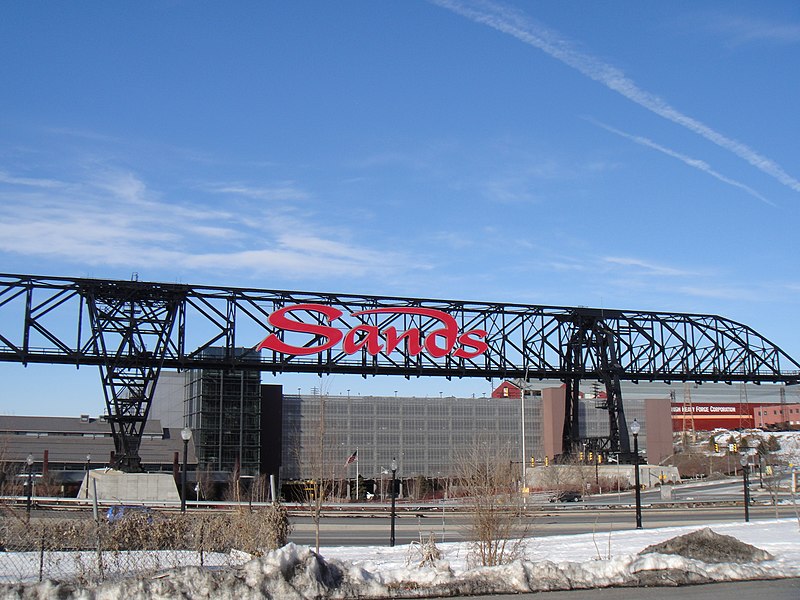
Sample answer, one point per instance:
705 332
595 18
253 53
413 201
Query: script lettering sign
445 340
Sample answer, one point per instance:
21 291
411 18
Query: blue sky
627 155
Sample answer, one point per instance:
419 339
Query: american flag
352 459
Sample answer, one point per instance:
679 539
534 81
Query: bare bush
699 464
574 476
488 478
265 529
205 483
424 553
608 484
139 542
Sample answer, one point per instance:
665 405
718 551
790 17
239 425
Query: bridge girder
61 320
129 322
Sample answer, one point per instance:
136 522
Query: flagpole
351 458
357 471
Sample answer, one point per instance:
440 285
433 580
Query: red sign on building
440 338
708 416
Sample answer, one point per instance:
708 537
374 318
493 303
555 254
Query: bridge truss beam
129 322
71 320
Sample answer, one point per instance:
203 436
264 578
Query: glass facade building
429 435
425 435
223 409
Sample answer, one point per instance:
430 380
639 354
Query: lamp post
524 452
743 461
186 435
635 428
394 493
88 460
29 462
597 471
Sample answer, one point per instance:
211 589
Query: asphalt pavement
372 528
776 589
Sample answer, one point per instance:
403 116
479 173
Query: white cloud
518 25
113 218
643 267
122 185
412 161
748 293
283 191
692 162
297 262
567 265
511 190
454 240
29 181
742 30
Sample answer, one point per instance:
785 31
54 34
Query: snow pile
292 572
711 547
790 446
643 558
789 440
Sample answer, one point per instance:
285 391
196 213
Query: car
119 512
566 496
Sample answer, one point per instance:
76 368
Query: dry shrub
425 552
699 464
145 531
47 486
73 547
18 534
488 477
260 530
608 484
253 532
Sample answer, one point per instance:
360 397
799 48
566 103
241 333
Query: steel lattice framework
133 329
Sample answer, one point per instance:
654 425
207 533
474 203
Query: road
372 529
723 490
779 589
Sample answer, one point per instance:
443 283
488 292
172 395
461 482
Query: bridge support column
131 327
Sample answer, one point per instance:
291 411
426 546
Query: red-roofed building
507 390
766 415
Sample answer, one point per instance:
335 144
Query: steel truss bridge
132 330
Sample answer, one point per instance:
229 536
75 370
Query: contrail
692 162
524 29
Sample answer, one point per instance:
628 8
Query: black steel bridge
133 329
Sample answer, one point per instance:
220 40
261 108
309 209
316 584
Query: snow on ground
789 441
550 563
790 445
775 536
595 560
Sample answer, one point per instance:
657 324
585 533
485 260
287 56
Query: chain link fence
73 546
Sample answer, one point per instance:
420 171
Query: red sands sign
442 341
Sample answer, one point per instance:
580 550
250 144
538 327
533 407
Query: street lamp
29 462
635 428
88 460
597 471
186 435
524 452
743 461
394 493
